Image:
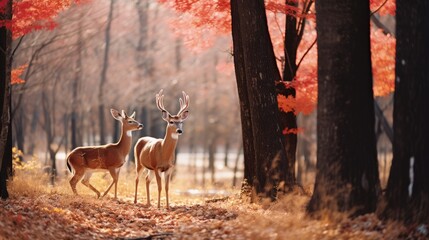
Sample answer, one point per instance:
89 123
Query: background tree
347 171
407 191
294 31
256 73
101 87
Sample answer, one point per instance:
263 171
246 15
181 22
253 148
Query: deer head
174 120
128 122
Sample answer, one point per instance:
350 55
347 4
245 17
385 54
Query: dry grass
39 211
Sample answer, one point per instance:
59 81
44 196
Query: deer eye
130 122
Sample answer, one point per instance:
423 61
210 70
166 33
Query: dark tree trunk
101 107
246 120
5 100
347 172
256 73
408 185
288 119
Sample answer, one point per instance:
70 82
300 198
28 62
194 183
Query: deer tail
68 164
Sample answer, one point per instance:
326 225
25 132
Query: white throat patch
129 133
175 136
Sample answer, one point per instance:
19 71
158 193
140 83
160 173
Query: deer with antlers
157 155
109 157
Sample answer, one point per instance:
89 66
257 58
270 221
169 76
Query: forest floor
37 211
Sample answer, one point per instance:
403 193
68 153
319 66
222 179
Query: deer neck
124 143
170 140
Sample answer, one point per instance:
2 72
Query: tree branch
306 52
16 48
385 125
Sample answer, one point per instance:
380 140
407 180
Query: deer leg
114 175
138 173
158 182
149 177
167 175
85 181
116 183
75 179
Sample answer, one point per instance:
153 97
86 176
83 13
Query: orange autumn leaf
292 130
286 104
383 62
16 73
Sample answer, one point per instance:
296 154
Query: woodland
214 119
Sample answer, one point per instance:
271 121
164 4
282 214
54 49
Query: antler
184 103
160 101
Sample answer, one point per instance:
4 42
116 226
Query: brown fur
109 157
157 155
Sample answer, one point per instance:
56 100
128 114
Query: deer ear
133 115
184 115
165 116
115 114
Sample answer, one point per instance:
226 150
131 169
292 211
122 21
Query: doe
109 157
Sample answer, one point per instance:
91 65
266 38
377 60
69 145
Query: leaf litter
35 212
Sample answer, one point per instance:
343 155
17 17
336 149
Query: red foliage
383 7
279 6
16 73
383 62
216 16
31 15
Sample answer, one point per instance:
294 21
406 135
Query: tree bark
5 98
256 72
288 119
246 121
407 190
347 171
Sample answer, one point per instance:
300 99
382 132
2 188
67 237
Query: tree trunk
256 73
288 119
408 185
237 157
19 128
246 121
101 107
347 177
211 153
225 158
5 98
53 170
76 137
